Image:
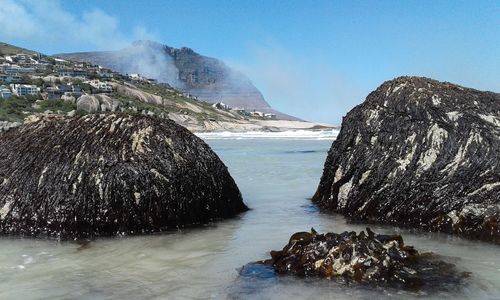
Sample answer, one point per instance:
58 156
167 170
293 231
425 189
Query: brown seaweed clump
366 258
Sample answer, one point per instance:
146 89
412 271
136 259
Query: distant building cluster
51 78
242 111
139 78
55 79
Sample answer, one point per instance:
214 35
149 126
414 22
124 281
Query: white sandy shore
258 125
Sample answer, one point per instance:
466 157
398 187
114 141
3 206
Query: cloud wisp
46 22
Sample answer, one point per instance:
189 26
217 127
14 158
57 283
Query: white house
24 89
72 73
135 77
5 92
257 114
9 78
101 86
221 106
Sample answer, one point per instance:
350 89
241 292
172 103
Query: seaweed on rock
419 153
367 258
109 174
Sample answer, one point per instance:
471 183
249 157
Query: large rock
419 153
88 103
108 174
6 125
95 103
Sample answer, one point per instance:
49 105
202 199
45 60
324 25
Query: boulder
109 174
366 258
88 103
419 153
109 104
68 98
6 125
96 103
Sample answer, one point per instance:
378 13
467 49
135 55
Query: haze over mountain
207 78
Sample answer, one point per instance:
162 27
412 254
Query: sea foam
291 134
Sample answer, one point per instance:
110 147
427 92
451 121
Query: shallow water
276 177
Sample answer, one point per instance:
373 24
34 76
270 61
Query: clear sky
313 59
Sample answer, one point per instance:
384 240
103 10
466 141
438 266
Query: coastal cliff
109 174
419 153
207 78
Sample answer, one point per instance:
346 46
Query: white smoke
150 60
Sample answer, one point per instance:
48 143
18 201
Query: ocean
277 174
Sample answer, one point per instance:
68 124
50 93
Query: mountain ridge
207 78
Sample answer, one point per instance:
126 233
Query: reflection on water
204 262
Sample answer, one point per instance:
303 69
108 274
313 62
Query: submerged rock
365 258
109 174
419 153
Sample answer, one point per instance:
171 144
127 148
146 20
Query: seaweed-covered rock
366 258
419 153
109 174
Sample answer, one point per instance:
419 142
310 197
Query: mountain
67 87
7 49
207 78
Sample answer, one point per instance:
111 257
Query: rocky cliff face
109 174
419 153
207 78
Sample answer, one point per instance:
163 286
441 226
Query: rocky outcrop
140 95
109 174
365 258
6 125
419 153
96 103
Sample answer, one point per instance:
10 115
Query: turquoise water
276 178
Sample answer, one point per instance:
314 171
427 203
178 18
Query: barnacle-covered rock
365 258
109 174
419 153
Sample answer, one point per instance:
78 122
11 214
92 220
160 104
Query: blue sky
312 59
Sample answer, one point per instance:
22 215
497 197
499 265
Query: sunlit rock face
207 78
419 153
109 174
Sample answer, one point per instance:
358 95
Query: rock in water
366 258
419 153
109 174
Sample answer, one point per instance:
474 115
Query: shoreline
258 126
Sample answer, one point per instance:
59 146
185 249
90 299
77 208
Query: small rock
365 258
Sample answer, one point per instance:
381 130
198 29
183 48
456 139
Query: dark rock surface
419 153
367 258
109 174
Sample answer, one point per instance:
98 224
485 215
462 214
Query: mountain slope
66 87
207 78
7 49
